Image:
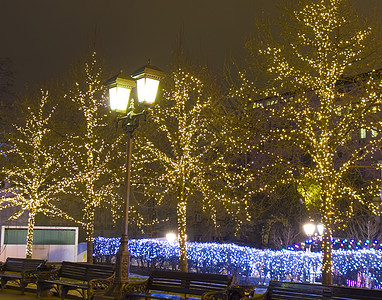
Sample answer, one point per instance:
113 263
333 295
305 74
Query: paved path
10 294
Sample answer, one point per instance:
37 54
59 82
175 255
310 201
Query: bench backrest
21 264
187 283
297 290
84 271
307 291
349 293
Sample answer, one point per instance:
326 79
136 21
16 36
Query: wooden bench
350 293
306 291
19 270
87 279
180 285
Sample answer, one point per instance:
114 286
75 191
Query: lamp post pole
123 254
147 79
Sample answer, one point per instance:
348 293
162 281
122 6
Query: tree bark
89 251
31 223
89 238
182 225
327 277
327 215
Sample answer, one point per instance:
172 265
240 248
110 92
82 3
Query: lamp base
122 267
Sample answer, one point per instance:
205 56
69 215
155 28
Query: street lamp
309 229
171 237
314 232
320 229
146 79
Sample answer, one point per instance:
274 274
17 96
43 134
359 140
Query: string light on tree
313 112
177 155
32 166
92 151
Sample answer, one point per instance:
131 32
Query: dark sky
43 37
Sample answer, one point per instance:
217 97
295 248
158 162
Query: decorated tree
32 165
321 117
177 152
91 148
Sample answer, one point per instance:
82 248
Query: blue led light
358 268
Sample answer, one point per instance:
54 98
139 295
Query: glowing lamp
171 237
147 79
320 229
119 92
309 229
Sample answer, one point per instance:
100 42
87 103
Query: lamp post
314 232
146 79
309 229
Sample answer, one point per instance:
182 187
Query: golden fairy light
311 109
32 167
177 156
91 154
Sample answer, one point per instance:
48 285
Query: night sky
43 37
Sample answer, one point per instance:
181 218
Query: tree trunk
182 225
327 214
89 251
31 223
89 235
327 277
89 243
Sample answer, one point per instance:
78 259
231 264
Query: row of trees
298 125
290 133
322 92
57 155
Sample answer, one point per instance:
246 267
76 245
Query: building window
363 133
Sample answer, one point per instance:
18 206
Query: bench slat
76 276
278 290
344 293
183 283
18 268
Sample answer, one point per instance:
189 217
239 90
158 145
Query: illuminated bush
355 268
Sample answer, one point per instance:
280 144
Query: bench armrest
135 288
100 283
216 295
27 274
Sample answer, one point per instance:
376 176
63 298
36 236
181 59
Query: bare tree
31 164
177 159
315 105
90 146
